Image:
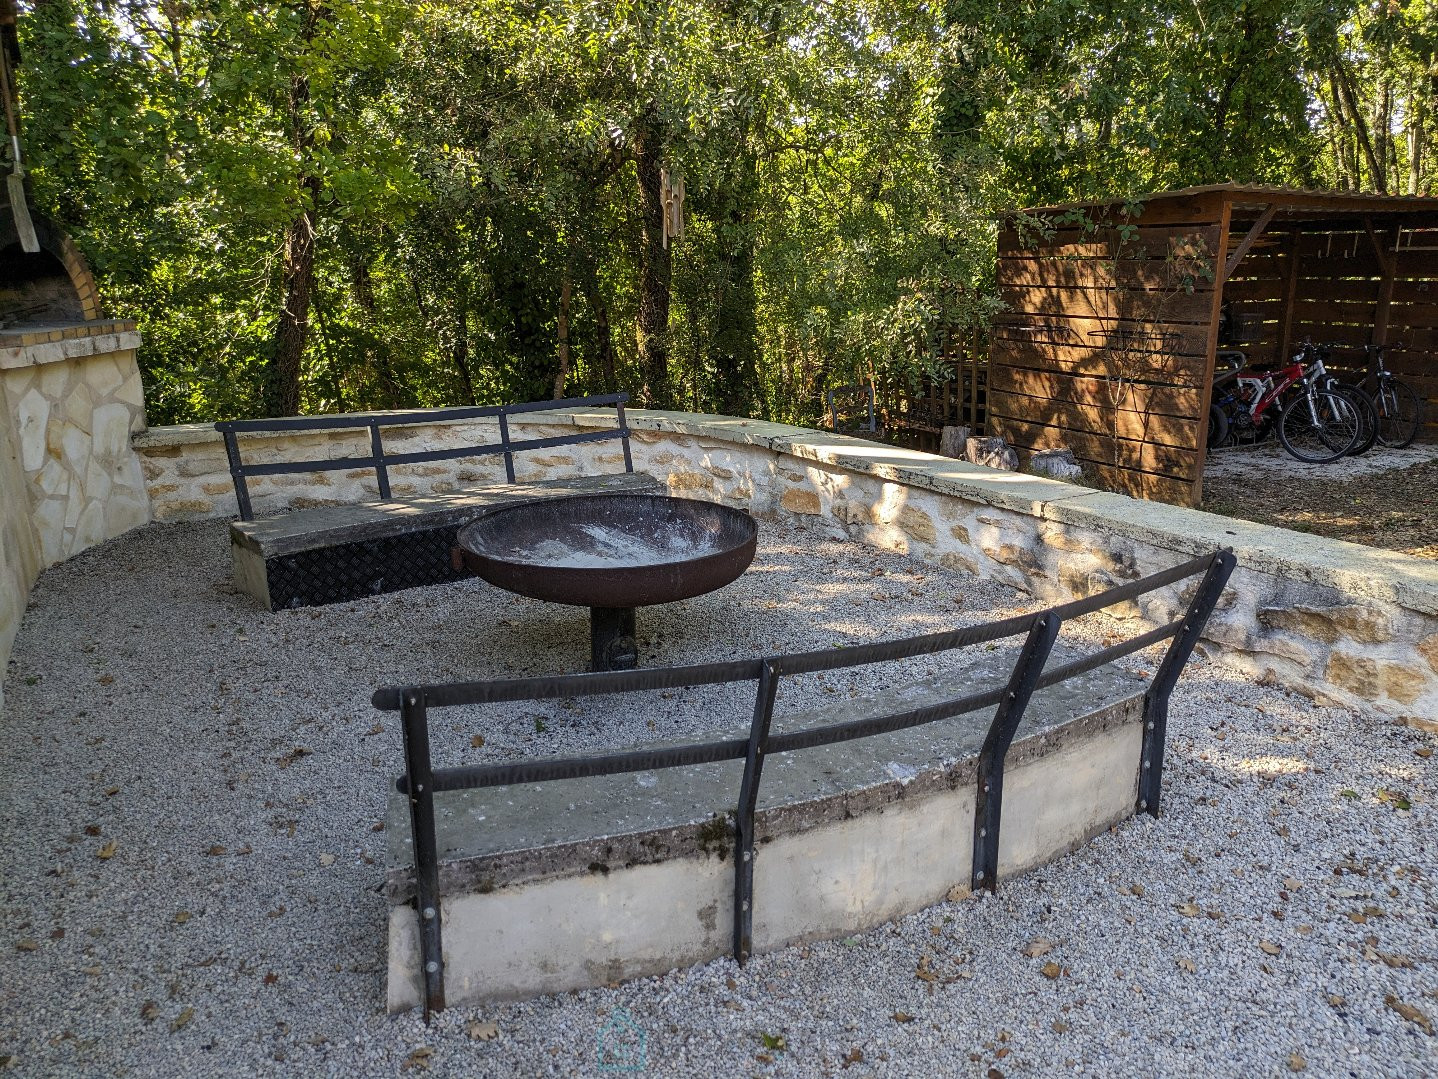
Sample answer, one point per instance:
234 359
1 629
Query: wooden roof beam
1243 245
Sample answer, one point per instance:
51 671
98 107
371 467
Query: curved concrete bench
543 875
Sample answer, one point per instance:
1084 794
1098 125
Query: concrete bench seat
566 884
334 553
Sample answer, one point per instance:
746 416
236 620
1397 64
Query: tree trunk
562 332
459 345
734 349
297 277
603 332
376 349
297 273
655 270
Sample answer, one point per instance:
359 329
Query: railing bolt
1149 725
983 833
428 914
1142 804
747 855
432 967
1146 764
745 905
979 875
986 788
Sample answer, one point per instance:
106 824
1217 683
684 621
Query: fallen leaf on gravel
182 1020
93 972
110 792
1269 948
764 1058
418 1059
1357 917
181 917
1038 946
1136 890
106 679
1187 964
1409 1012
26 945
1051 970
854 1056
378 728
107 852
1292 884
270 978
994 1073
57 934
216 850
1425 752
923 972
476 741
483 1030
92 829
957 892
1336 1000
293 755
1392 960
731 983
1296 1063
327 859
149 1011
1188 910
1060 1027
903 1017
773 1041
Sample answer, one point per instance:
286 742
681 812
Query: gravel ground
182 896
1383 498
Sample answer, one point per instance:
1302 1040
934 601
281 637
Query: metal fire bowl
610 550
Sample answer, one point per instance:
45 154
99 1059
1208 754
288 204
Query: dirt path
1393 508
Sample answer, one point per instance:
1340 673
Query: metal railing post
381 473
414 721
624 436
1155 701
989 794
744 813
237 476
504 441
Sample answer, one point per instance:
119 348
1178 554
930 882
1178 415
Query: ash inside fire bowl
597 546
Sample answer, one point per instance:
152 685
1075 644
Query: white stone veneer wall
69 477
74 404
1330 619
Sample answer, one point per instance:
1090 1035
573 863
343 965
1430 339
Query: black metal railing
422 780
381 461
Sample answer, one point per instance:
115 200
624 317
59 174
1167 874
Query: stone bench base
570 884
331 554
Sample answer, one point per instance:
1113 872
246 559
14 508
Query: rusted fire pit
610 553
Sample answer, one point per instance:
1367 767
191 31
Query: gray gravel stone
232 758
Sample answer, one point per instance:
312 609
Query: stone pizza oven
71 386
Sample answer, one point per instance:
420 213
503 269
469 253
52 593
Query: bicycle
1400 409
1316 424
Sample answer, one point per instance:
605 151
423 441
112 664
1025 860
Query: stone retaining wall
70 400
1333 620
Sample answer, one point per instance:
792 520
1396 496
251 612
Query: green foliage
469 165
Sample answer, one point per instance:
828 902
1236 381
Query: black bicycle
1400 409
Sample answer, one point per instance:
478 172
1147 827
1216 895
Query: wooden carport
1114 310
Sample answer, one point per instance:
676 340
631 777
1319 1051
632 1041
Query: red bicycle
1315 422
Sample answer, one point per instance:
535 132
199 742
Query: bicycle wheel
1367 414
1319 426
1217 427
1400 413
